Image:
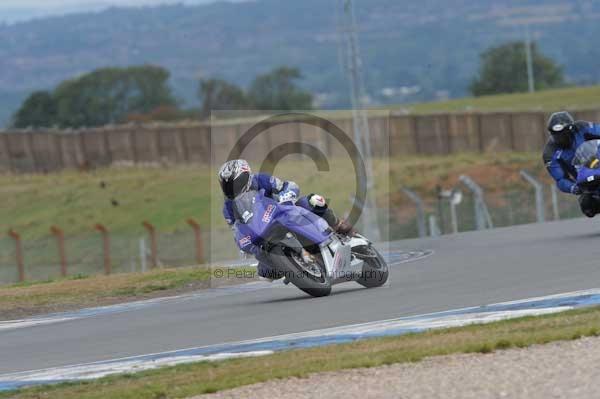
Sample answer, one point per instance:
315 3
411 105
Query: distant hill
12 11
413 51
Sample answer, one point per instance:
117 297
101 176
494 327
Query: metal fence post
18 254
440 210
153 244
420 211
454 198
453 218
106 247
434 230
555 210
540 206
198 237
60 242
143 254
483 219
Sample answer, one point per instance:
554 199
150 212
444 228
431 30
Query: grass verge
206 377
572 98
167 197
79 291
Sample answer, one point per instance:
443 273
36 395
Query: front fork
340 264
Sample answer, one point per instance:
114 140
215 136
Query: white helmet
235 178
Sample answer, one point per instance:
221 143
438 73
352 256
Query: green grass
48 281
206 377
79 291
166 197
549 100
571 98
75 201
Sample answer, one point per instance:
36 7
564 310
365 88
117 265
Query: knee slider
317 201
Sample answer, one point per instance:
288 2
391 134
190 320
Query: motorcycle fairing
256 215
587 163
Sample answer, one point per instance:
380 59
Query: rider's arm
563 182
590 130
273 185
228 212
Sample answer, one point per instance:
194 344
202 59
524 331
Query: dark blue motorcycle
303 249
587 164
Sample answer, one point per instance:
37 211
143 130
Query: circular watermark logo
319 158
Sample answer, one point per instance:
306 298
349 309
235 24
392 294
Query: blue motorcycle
303 249
587 164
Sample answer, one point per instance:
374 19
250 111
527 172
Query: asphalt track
468 269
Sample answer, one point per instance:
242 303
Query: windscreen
587 155
243 206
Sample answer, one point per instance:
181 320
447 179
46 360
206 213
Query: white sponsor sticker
247 216
268 213
245 241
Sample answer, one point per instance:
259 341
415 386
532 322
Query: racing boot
344 228
320 207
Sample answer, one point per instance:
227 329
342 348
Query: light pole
362 134
529 58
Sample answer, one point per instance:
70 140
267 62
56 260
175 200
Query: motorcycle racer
566 135
236 177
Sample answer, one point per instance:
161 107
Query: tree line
142 94
503 69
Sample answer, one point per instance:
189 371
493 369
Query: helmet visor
234 186
562 134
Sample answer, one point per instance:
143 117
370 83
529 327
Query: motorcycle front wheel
375 271
310 277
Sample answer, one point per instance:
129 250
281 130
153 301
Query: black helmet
235 178
561 126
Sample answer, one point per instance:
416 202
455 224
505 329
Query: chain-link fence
87 254
504 208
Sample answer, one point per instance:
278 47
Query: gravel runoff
558 370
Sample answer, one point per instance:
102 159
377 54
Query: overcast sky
72 3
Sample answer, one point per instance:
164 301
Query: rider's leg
317 205
590 204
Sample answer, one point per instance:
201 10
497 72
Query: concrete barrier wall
26 151
464 135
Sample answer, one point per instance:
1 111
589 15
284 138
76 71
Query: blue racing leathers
274 188
281 191
558 161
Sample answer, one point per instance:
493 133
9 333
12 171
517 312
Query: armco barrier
45 150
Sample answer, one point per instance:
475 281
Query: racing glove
288 196
576 190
